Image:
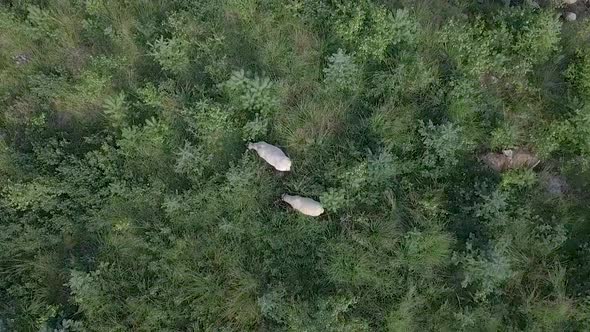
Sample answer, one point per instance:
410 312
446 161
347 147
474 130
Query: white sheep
304 205
272 155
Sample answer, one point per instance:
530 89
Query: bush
371 30
342 74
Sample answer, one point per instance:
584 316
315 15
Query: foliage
370 29
251 94
342 74
578 73
443 147
171 54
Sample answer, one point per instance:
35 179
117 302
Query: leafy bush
443 148
334 199
485 271
578 73
114 108
251 94
342 74
370 30
172 54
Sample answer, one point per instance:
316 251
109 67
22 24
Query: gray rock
22 59
556 185
569 16
510 159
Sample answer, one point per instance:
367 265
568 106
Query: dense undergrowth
128 200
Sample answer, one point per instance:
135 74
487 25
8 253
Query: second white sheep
304 205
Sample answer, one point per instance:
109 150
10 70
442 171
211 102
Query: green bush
342 74
371 30
172 54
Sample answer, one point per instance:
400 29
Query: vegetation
129 202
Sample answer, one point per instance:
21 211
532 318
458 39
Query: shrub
115 108
443 146
578 73
172 54
251 94
371 30
485 271
342 74
334 200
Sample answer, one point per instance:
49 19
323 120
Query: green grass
129 202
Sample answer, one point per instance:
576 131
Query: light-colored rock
272 155
22 59
556 185
569 2
510 159
523 159
495 161
304 205
569 16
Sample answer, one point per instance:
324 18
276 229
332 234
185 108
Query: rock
569 2
556 185
495 161
510 159
523 159
272 155
22 59
488 79
569 16
304 205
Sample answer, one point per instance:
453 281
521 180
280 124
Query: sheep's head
284 165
